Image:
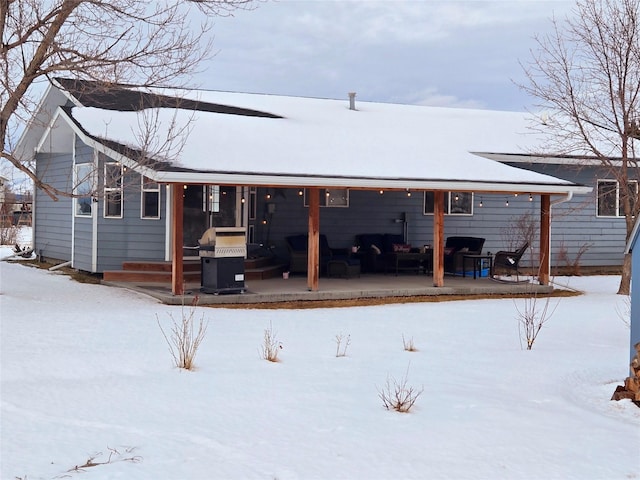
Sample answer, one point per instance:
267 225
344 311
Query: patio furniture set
388 253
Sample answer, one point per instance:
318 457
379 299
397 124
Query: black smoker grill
222 253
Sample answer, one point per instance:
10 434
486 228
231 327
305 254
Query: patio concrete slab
295 289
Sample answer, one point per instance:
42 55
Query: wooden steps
261 268
152 272
160 272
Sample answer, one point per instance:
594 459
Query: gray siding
119 239
83 230
574 224
130 237
52 219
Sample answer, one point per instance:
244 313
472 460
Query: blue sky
445 53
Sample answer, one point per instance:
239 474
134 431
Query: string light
268 196
480 204
530 198
408 192
300 192
506 204
242 200
381 192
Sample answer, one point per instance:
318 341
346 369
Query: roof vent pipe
352 100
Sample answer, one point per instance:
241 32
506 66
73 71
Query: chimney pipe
352 100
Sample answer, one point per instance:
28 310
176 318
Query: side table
477 262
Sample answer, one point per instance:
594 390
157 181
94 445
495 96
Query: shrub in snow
532 315
398 395
185 336
270 345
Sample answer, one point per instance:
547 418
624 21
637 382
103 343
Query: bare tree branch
147 43
585 75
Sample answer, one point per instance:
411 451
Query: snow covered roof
295 141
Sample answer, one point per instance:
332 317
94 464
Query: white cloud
460 53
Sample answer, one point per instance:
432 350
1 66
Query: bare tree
141 42
586 77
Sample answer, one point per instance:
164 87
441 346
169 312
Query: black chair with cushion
508 262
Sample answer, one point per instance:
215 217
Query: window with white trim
253 203
331 197
112 190
608 202
84 182
150 198
211 198
455 203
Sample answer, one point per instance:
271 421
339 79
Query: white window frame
148 187
211 198
115 189
253 203
331 198
618 207
449 201
84 183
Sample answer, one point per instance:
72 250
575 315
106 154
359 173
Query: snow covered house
153 169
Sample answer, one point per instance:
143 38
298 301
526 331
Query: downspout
557 201
564 199
60 265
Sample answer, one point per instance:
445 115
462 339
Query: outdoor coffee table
410 261
477 262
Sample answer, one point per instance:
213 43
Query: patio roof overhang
397 183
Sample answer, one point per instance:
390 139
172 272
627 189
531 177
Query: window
455 203
84 186
150 198
113 190
253 203
609 202
211 198
331 197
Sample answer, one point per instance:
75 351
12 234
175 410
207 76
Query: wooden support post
545 239
438 238
313 248
177 274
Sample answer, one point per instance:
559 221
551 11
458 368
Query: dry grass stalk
185 337
341 349
114 456
408 345
270 346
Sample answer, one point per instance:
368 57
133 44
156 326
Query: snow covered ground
86 375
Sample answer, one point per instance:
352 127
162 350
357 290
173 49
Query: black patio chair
509 261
